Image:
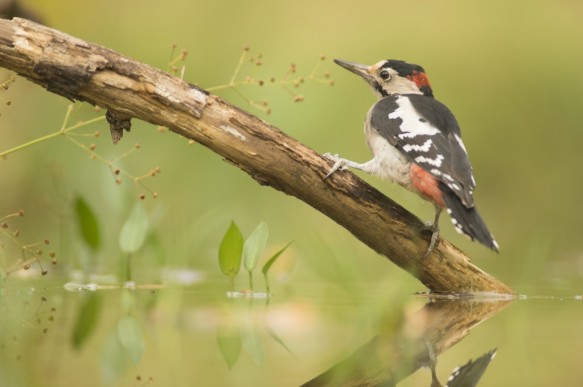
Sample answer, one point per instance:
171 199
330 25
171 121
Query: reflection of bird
416 143
467 375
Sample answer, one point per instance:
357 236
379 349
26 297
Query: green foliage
86 319
251 342
229 341
230 251
114 359
88 224
134 230
267 266
253 248
233 249
131 338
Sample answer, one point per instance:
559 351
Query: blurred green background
510 72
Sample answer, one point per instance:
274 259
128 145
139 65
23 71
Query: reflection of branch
387 360
80 70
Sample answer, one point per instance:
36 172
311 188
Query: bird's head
391 77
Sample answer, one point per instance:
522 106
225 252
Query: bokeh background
510 72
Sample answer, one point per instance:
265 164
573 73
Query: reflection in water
467 375
387 359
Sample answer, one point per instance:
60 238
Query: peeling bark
83 71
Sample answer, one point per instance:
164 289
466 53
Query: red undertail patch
426 185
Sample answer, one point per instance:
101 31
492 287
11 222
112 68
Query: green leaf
230 251
88 224
114 359
270 262
273 258
134 230
86 319
254 246
251 342
131 338
229 340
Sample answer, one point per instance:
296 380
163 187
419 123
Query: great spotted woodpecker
416 142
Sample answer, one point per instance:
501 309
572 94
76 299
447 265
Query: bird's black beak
356 68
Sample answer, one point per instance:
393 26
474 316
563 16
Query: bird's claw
434 237
338 164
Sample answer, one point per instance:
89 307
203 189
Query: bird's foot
339 164
434 228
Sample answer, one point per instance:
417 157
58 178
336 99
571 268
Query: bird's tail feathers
467 220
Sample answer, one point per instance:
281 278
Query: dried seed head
137 145
92 146
155 195
44 272
116 171
142 196
47 242
97 133
20 212
298 98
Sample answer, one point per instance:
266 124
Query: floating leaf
230 251
270 262
134 230
254 246
131 337
229 340
86 319
88 224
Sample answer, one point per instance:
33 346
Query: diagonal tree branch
83 71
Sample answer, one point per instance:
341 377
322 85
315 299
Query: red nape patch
426 185
420 79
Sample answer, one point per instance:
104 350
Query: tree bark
83 71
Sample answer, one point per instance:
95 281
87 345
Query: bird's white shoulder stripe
413 124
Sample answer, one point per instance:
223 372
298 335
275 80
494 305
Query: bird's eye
385 75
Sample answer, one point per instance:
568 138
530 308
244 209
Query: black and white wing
426 131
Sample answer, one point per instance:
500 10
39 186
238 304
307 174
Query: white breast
388 163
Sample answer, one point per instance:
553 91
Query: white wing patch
436 162
418 148
412 124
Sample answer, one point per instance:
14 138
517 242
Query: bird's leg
434 228
342 164
432 364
